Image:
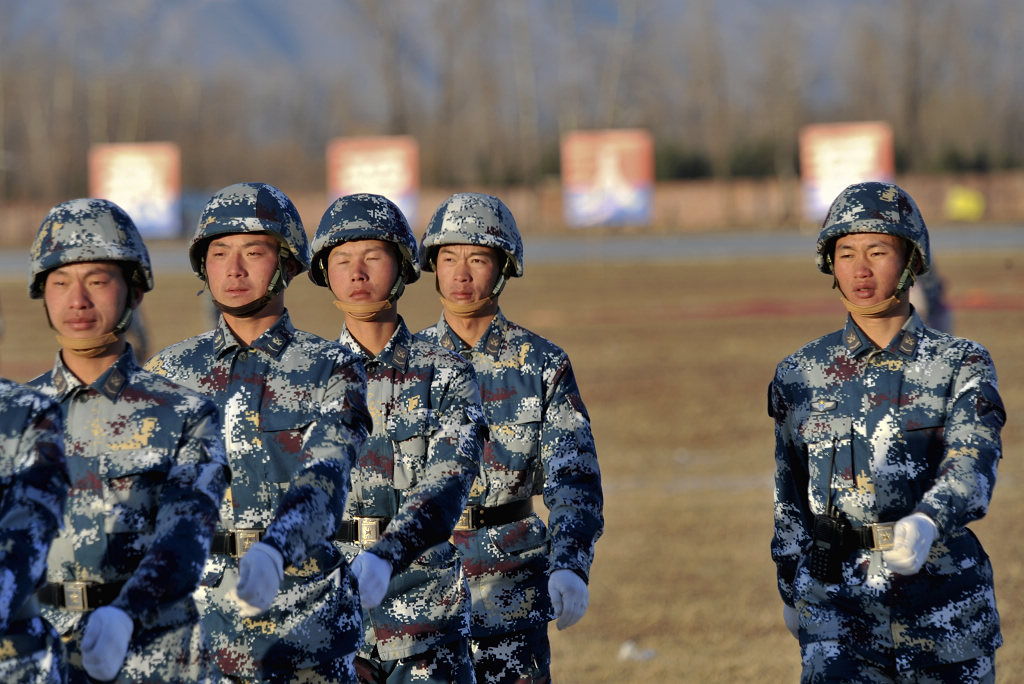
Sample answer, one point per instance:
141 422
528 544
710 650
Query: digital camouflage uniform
33 490
147 470
881 434
540 443
293 416
417 466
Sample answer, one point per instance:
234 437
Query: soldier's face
467 273
362 271
868 266
85 299
239 267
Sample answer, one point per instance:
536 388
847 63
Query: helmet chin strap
91 347
371 311
883 308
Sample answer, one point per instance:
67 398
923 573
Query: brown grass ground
673 361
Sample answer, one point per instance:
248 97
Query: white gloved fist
569 597
912 540
260 572
105 642
792 620
372 574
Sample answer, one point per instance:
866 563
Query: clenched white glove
792 620
105 642
260 572
373 574
912 539
569 597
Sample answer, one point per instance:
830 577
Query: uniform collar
109 384
272 342
395 353
489 343
904 343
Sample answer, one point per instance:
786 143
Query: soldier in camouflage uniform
887 441
521 573
33 490
277 600
147 466
414 474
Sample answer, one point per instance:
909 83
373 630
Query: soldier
521 573
293 412
33 490
148 470
414 474
887 441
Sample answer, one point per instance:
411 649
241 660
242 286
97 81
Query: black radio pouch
828 549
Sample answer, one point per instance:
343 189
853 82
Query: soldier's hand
912 539
373 574
105 642
792 620
260 572
569 597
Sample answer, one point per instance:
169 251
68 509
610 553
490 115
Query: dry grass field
673 361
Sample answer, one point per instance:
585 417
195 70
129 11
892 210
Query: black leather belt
474 517
235 542
80 596
362 529
876 536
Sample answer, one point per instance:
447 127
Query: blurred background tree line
487 88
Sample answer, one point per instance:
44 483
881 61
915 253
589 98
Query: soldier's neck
881 330
470 329
248 328
374 335
89 369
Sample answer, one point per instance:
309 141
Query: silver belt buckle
74 596
368 529
244 539
468 520
882 536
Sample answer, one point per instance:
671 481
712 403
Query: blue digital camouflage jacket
293 416
540 443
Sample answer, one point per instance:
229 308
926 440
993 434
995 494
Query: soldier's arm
572 477
966 474
32 508
432 507
189 505
311 509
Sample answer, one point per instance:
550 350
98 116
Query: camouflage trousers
830 661
517 658
446 664
32 654
337 671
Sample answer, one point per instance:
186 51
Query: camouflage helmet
470 218
250 208
873 207
88 230
363 217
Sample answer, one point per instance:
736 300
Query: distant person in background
521 573
33 490
928 296
414 473
147 465
887 441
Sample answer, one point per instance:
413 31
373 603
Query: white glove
912 539
260 572
372 574
105 642
569 597
792 620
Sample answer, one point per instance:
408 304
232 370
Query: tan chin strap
469 310
874 310
364 312
88 347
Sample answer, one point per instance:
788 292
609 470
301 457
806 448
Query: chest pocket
132 482
924 437
828 437
410 434
284 433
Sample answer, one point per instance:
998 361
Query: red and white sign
144 179
835 155
385 165
607 177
